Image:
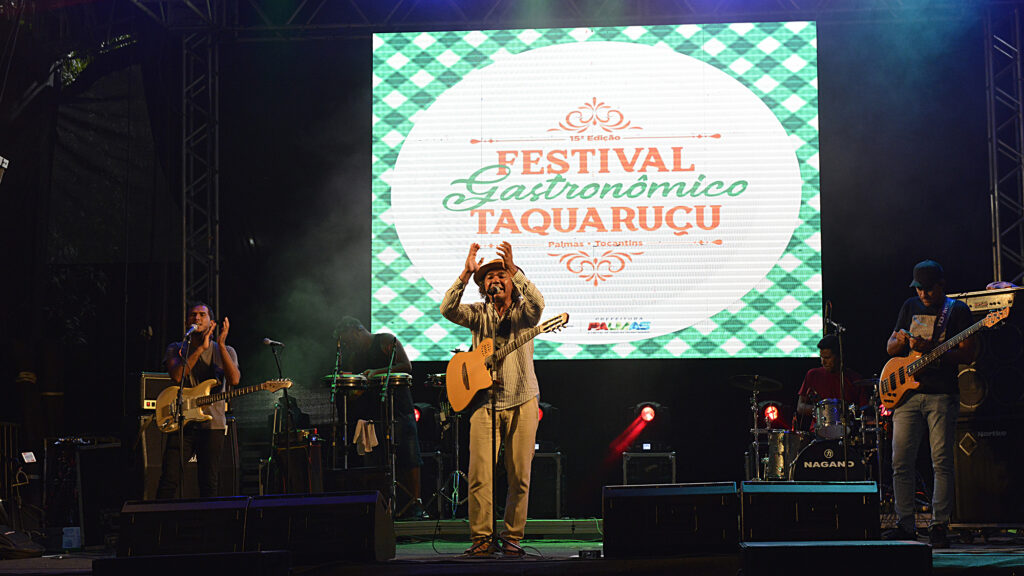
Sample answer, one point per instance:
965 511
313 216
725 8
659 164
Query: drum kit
844 446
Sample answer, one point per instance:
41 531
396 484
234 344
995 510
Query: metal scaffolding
1005 140
200 163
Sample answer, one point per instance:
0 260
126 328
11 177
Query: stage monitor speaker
153 444
838 558
777 511
196 526
353 527
670 520
989 472
270 563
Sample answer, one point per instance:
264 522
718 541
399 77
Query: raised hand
505 252
472 265
224 326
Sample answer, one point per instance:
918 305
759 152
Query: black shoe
938 536
899 533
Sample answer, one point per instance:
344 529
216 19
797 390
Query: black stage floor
435 548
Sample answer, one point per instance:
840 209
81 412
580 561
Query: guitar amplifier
151 384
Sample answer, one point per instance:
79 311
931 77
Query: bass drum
823 461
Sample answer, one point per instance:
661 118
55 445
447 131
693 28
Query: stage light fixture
647 413
548 428
428 425
651 425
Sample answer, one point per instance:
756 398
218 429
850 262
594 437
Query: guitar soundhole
465 377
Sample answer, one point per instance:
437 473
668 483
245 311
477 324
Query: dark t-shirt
939 377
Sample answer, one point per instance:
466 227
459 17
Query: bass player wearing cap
925 321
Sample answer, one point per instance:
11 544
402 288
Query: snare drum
397 379
828 419
783 447
822 460
346 381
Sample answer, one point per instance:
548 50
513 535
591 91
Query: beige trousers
517 430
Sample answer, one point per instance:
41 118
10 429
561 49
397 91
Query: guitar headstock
556 323
275 385
996 316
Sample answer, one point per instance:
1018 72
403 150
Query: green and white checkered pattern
775 60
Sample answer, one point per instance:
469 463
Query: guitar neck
944 347
212 398
516 342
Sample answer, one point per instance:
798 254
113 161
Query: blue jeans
934 414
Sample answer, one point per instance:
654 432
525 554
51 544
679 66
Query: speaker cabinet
153 444
151 384
352 527
198 526
989 471
777 511
670 520
994 384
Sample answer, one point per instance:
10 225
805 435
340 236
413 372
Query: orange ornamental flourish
596 268
593 160
540 221
594 114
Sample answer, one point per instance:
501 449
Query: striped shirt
517 380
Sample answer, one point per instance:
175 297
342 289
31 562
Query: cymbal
872 382
751 382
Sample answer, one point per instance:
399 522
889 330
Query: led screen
660 184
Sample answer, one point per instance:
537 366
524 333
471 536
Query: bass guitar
193 399
898 373
469 372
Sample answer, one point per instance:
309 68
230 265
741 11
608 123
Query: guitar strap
940 324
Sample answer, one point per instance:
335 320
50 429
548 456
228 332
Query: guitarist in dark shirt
925 321
205 360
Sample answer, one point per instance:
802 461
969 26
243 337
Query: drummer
823 383
369 354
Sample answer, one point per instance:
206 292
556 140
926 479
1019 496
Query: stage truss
203 25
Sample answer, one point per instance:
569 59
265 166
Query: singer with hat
511 306
199 357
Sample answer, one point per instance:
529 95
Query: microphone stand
287 425
186 345
497 542
334 414
840 330
388 401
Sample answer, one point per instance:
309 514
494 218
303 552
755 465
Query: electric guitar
469 373
898 373
193 399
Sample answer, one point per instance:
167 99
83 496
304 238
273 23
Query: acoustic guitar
469 372
898 373
193 399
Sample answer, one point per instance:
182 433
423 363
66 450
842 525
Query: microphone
492 290
269 342
191 329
